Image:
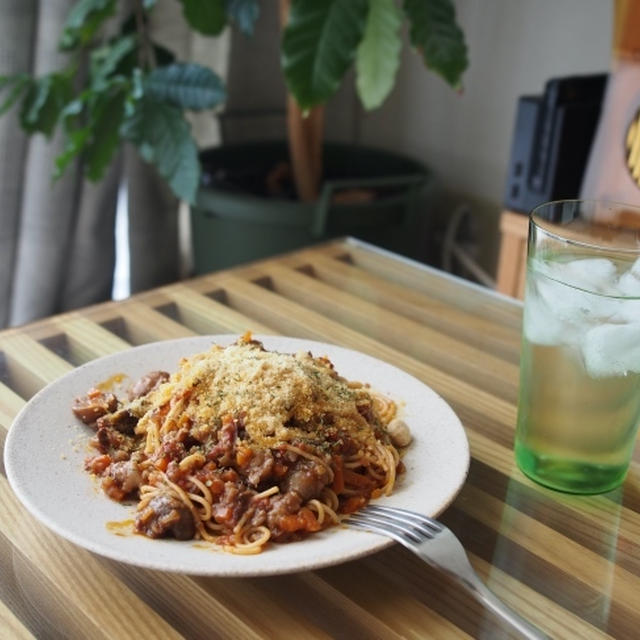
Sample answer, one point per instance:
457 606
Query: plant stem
305 133
305 148
146 54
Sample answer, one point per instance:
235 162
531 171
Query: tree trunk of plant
305 132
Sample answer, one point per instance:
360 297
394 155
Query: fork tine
386 524
404 515
400 520
369 526
424 525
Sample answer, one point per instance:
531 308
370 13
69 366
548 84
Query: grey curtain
58 235
57 239
18 22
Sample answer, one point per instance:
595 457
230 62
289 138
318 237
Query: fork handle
491 601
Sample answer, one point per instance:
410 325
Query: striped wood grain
435 284
404 300
10 626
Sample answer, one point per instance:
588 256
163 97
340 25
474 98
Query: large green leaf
187 85
206 16
44 102
163 138
15 86
107 118
162 55
73 110
84 20
435 32
244 14
106 60
319 45
91 122
378 55
73 147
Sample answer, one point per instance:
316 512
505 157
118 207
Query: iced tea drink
579 400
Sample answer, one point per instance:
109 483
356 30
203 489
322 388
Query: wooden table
570 564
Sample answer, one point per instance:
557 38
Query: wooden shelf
512 262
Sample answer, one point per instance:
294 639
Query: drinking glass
579 398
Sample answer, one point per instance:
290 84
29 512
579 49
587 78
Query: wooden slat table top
570 564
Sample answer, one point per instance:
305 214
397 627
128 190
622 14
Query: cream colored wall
514 47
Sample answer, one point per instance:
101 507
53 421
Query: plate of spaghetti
232 456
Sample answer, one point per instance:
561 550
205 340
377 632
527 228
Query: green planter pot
230 226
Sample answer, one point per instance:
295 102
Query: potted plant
268 197
134 90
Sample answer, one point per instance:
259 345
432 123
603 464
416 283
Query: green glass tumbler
579 398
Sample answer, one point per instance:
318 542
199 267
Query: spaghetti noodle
241 446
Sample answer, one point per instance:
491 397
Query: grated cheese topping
280 397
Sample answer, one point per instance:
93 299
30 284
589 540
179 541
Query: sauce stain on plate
121 527
112 381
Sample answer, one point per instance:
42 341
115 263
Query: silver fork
438 546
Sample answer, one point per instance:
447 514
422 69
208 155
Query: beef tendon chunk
165 515
94 405
125 475
260 467
147 383
120 420
307 479
114 443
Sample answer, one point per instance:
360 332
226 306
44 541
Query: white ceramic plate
46 447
